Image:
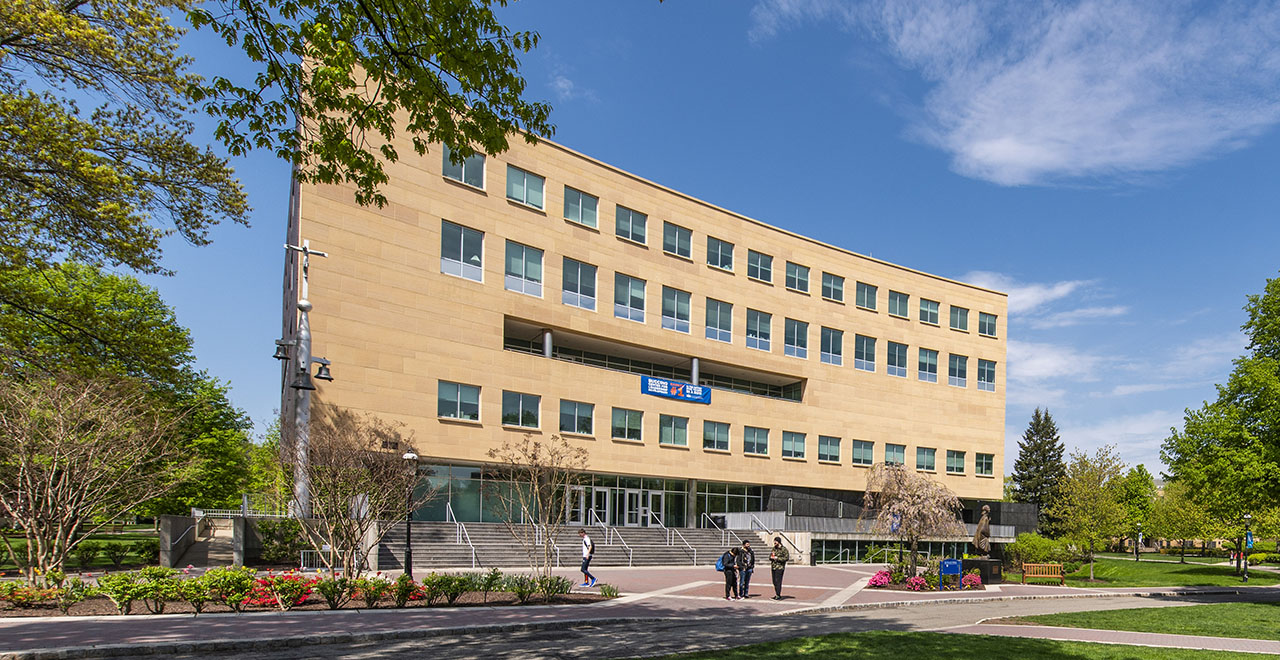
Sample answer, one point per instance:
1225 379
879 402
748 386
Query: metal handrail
613 531
756 521
673 534
460 530
724 533
885 550
199 519
844 553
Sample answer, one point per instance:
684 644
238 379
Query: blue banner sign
950 567
1248 540
674 389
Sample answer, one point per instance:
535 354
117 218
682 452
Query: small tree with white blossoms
910 506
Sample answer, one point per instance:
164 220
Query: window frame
895 352
721 334
522 411
932 453
459 267
866 296
987 322
795 338
670 229
832 338
957 364
980 461
522 282
577 297
899 450
986 375
712 427
468 163
763 266
715 248
790 437
678 424
862 452
527 175
675 323
577 417
930 308
963 318
570 195
797 277
631 215
633 313
864 353
832 287
921 363
762 341
626 425
458 401
955 461
825 449
899 304
753 432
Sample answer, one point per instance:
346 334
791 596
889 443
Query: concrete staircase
213 548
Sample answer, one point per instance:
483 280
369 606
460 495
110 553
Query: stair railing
836 560
460 530
597 522
673 534
198 514
724 533
756 522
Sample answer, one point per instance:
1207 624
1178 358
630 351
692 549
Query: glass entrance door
655 506
631 513
600 504
575 505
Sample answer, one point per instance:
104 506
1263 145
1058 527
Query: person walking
588 551
778 559
729 561
746 566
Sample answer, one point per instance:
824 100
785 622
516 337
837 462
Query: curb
986 599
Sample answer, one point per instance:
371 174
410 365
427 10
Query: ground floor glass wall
844 551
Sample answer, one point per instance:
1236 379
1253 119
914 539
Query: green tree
1039 470
1088 503
1176 516
1138 494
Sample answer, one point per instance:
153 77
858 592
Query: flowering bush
971 581
20 594
231 585
880 579
372 589
917 583
286 590
335 589
405 590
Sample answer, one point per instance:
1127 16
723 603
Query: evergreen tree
1039 469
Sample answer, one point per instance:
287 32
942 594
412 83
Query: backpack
720 564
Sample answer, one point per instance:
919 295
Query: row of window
461 401
580 207
461 249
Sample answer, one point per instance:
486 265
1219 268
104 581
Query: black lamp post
1244 556
410 459
1137 539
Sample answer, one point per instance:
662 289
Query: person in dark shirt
746 566
730 562
778 559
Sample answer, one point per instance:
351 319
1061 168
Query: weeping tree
531 477
910 506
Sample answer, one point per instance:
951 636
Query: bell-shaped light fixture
323 373
302 382
282 352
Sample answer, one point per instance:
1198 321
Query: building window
986 324
863 452
579 283
792 444
755 440
524 187
719 320
864 353
986 375
797 277
832 346
458 401
580 207
984 464
628 297
897 359
719 253
928 365
758 329
866 296
715 435
795 340
899 304
675 309
576 417
524 269
895 454
461 251
929 311
955 462
829 448
959 318
470 171
631 224
626 424
833 287
520 409
673 430
925 457
759 266
957 370
677 240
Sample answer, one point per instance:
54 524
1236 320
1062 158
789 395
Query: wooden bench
1044 571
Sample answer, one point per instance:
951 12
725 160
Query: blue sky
1111 165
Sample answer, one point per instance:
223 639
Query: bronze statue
982 536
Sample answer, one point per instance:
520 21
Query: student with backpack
728 564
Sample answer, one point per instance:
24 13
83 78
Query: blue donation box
950 567
674 389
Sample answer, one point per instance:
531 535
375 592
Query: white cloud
1036 362
1023 297
566 90
1028 93
1078 316
1202 362
1137 437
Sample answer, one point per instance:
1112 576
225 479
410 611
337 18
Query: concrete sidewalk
1124 637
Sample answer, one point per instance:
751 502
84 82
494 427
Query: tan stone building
709 362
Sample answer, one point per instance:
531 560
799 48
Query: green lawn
946 647
1190 557
1121 573
1246 620
136 533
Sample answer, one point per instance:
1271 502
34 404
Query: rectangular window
864 353
896 359
458 401
833 287
576 417
626 424
863 452
579 283
758 329
928 365
929 311
899 304
470 171
829 448
957 370
675 309
866 296
719 253
983 464
986 375
628 297
677 240
719 320
715 435
925 458
520 409
986 324
955 462
959 318
755 440
832 346
524 269
631 224
524 187
797 277
895 454
795 340
792 445
759 266
673 430
461 251
580 207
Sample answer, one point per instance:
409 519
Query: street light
1244 555
302 385
410 459
1137 540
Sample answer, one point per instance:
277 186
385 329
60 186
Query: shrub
404 590
551 586
282 541
231 585
1257 558
157 585
453 586
22 595
916 583
121 589
116 553
86 553
285 590
609 591
372 589
491 581
897 573
1031 548
196 592
523 586
971 580
148 550
335 589
432 587
71 592
880 579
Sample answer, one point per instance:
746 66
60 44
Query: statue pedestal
990 570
